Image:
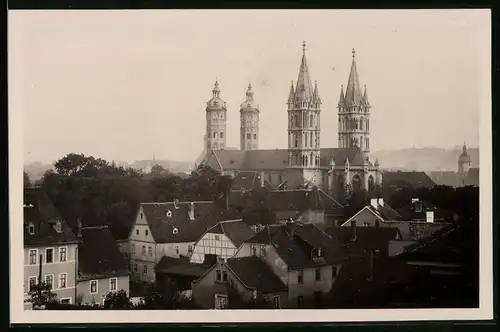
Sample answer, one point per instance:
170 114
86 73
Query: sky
127 85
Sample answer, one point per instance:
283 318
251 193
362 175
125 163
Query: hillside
424 159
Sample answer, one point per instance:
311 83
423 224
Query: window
63 277
221 135
93 286
66 301
142 215
224 276
221 275
133 248
249 136
136 232
176 249
144 250
276 302
334 272
253 250
150 252
58 227
49 255
33 253
254 136
49 280
145 270
318 274
31 229
32 283
366 224
215 135
113 284
62 254
220 301
175 231
190 248
320 252
263 250
146 232
217 237
169 213
300 277
135 268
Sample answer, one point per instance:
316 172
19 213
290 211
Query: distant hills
424 159
36 170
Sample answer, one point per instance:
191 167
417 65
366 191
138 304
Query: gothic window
361 124
215 135
367 124
297 121
367 143
249 136
311 123
340 184
221 135
361 143
306 138
296 140
356 123
312 159
356 182
311 139
371 184
305 160
291 120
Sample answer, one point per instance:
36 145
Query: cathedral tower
304 108
249 122
464 161
354 113
215 138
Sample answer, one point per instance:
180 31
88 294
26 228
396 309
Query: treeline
98 192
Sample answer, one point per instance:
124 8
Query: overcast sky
123 85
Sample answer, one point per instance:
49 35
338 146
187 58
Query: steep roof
98 254
206 214
412 179
447 178
304 88
330 205
236 230
256 274
353 94
385 211
179 266
277 159
411 211
296 250
46 234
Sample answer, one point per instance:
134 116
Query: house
380 214
49 248
245 278
222 240
304 257
102 268
167 229
419 210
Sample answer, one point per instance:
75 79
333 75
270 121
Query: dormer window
31 229
175 231
169 214
58 227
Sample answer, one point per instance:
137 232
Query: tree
117 300
27 181
41 294
356 201
257 210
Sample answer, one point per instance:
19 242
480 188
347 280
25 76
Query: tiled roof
46 234
386 212
277 159
367 239
247 180
409 212
330 205
446 178
255 273
236 230
296 251
206 215
412 179
98 254
472 178
44 208
179 266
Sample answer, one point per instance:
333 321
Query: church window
312 159
296 141
215 135
311 139
361 124
311 123
221 135
254 136
367 143
297 121
306 139
305 161
249 136
367 124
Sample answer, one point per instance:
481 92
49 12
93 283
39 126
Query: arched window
311 121
340 184
311 140
367 143
356 182
312 159
361 124
367 124
305 160
306 138
371 184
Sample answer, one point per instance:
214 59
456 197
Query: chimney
191 211
374 203
353 228
413 200
381 201
430 216
262 179
290 227
79 226
176 203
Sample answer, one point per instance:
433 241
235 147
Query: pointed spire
353 91
303 90
249 93
291 94
341 98
216 90
464 148
316 98
365 98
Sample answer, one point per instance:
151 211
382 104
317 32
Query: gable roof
295 250
236 230
277 159
98 254
382 212
255 274
412 179
206 214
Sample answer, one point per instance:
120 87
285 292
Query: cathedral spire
341 98
291 94
304 90
353 94
365 98
316 97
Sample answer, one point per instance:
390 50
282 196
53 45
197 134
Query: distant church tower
354 113
304 108
464 161
249 122
215 138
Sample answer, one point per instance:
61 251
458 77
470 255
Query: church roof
353 94
412 179
277 159
304 89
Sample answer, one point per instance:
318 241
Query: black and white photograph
199 165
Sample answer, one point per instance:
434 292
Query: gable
364 214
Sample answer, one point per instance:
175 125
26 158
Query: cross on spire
353 53
304 46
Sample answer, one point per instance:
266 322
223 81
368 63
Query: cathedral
339 171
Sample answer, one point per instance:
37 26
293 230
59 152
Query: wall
83 289
168 249
55 268
141 236
309 285
315 217
205 288
271 257
209 244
